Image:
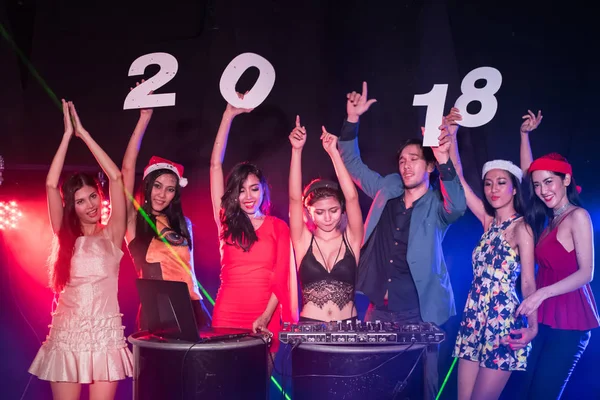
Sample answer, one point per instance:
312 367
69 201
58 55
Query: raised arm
116 223
55 207
454 202
217 181
355 220
368 180
473 202
128 166
298 231
580 226
531 122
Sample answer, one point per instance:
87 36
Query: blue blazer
430 220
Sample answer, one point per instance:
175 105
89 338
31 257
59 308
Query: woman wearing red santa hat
159 198
564 251
255 247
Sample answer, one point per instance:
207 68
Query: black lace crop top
320 286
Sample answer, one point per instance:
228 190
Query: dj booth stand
172 369
358 372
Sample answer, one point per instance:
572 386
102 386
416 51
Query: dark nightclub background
320 50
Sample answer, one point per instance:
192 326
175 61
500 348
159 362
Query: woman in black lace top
328 245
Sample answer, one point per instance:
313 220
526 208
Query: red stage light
9 215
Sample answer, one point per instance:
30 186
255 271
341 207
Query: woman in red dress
564 251
255 247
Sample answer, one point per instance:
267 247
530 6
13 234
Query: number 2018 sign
435 100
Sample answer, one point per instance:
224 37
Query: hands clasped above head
71 120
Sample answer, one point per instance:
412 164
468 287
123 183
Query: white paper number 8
485 95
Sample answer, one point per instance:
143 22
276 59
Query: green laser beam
169 246
58 103
279 387
446 379
30 67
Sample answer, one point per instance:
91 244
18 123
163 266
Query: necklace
256 220
561 210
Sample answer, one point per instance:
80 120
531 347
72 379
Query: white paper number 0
261 88
139 97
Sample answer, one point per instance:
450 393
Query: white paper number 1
140 96
436 98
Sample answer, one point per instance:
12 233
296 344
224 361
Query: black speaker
358 372
233 369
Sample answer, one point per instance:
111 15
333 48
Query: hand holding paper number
531 121
144 111
441 151
358 104
232 111
449 122
298 135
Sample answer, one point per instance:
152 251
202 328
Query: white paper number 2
436 99
140 96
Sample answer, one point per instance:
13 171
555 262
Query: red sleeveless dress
249 278
575 310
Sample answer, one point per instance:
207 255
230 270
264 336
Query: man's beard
414 185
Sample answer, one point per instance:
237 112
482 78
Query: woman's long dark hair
538 215
237 227
518 201
70 230
173 212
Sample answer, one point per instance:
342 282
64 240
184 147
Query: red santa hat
553 162
157 163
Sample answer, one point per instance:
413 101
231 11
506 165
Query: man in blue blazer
402 269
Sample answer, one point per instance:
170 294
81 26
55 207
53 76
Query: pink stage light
105 212
9 215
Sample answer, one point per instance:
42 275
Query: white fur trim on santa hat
182 181
503 165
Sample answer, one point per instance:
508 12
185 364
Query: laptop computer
167 307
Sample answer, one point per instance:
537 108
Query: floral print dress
489 314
